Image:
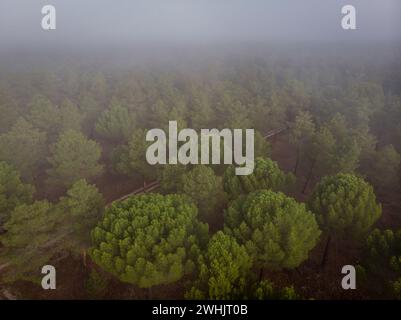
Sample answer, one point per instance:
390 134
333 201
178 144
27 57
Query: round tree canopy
266 175
277 231
149 239
345 204
222 270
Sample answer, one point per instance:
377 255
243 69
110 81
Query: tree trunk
296 162
309 177
260 274
326 251
84 257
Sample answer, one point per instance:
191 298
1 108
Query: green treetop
302 132
170 177
222 270
116 123
277 231
266 175
12 191
384 251
82 208
383 259
130 159
345 204
24 147
44 115
31 241
44 233
71 117
384 169
149 239
205 188
73 157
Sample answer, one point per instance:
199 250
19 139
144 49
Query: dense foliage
345 205
205 188
73 157
381 265
24 147
266 175
13 191
81 209
31 241
44 232
149 240
384 250
277 231
131 158
225 273
85 121
116 123
222 270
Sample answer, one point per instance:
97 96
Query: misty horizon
124 24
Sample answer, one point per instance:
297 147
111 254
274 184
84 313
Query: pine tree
44 115
24 147
383 251
44 233
10 112
384 169
149 239
334 149
383 260
170 177
277 231
31 241
13 191
73 157
345 206
301 135
205 188
70 117
266 175
222 270
133 158
81 209
116 123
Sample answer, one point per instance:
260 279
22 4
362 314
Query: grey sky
126 22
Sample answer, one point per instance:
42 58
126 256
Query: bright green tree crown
266 175
277 231
149 239
222 271
345 203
